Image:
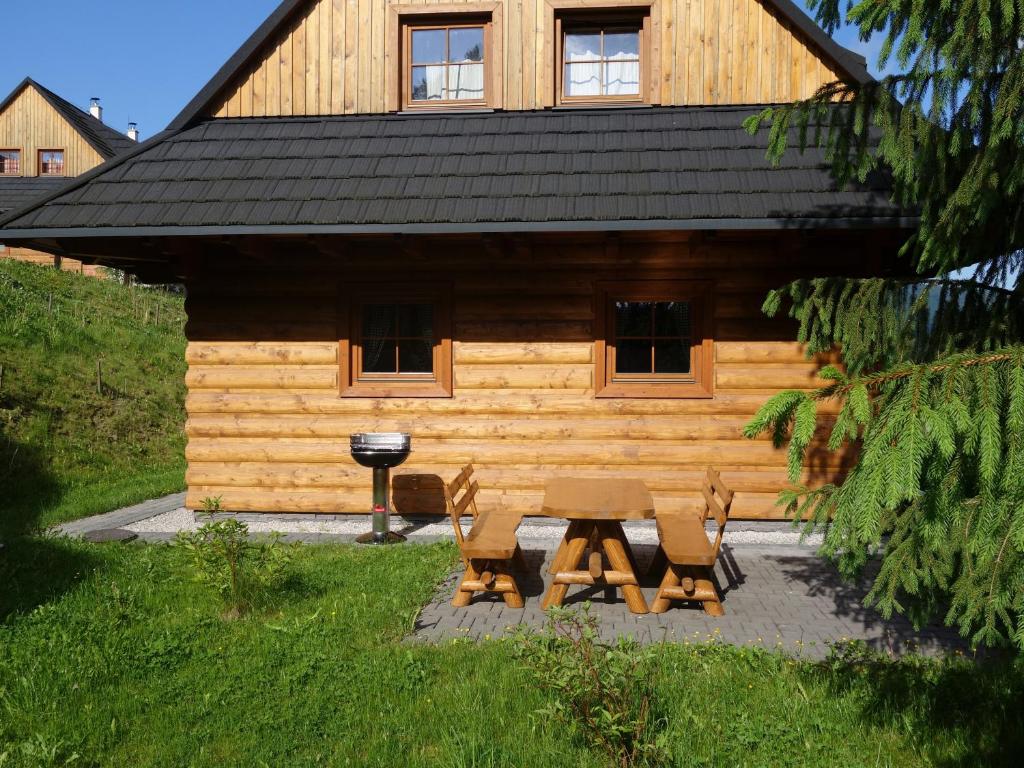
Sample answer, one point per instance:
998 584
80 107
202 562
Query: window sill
655 390
602 105
381 389
446 110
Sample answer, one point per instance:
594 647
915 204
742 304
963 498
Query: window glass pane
416 356
633 357
428 83
672 356
672 318
416 320
51 162
379 356
466 44
582 79
582 46
466 81
622 45
379 321
428 46
10 161
633 318
622 78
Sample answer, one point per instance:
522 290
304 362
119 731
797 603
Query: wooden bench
490 550
688 554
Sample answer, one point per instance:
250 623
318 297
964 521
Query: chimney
133 131
95 109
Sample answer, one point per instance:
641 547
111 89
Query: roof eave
774 224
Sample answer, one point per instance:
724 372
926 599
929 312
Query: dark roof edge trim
54 100
233 66
899 222
15 93
79 181
852 64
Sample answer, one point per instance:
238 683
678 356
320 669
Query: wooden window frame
402 17
602 22
21 161
554 10
39 162
699 383
354 383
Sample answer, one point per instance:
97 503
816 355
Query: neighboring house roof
643 168
100 136
850 64
18 191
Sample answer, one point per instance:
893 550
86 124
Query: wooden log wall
268 431
48 260
30 124
340 57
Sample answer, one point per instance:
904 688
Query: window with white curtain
601 62
446 64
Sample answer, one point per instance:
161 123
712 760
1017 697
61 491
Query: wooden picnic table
595 509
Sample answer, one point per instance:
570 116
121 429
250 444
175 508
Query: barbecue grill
381 451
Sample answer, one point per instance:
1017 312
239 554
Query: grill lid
380 441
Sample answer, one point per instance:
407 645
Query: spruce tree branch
878 379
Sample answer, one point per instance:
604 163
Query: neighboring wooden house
532 234
44 141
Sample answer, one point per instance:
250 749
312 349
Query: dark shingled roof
18 191
672 167
100 136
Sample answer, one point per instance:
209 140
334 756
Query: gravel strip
541 531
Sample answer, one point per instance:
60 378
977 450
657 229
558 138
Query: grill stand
381 533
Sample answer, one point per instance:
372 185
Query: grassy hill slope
91 395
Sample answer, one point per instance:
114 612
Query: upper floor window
446 65
10 162
601 59
51 162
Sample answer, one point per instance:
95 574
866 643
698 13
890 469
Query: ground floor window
654 339
396 341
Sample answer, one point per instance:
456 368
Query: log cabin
44 141
532 233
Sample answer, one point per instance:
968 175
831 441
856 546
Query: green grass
71 447
112 654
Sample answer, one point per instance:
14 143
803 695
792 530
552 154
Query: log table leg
569 535
574 543
616 547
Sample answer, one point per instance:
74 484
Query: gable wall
337 58
29 123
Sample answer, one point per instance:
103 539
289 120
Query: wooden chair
490 549
685 549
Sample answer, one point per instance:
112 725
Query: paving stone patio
772 597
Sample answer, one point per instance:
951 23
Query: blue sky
145 59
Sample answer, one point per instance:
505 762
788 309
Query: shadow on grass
28 487
34 569
961 713
37 570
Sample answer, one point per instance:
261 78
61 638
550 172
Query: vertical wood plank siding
268 431
30 124
334 58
